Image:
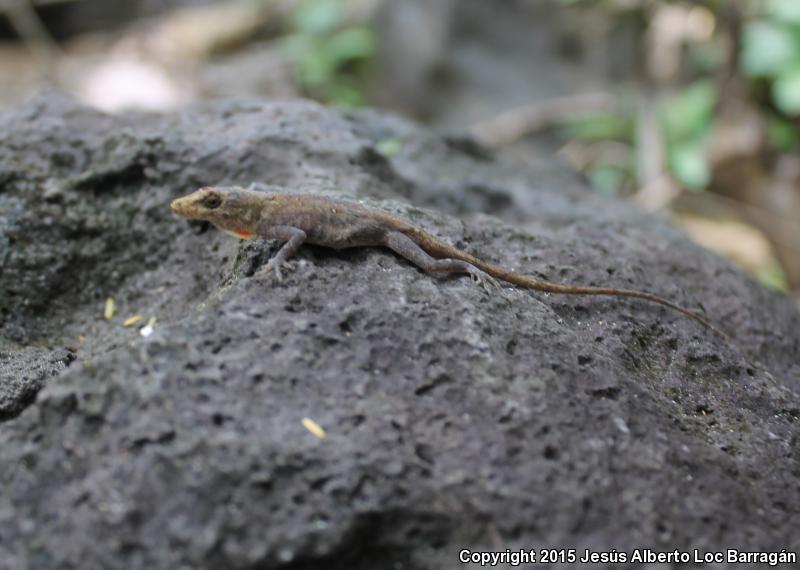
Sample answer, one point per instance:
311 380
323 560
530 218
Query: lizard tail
439 248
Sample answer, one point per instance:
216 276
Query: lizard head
233 210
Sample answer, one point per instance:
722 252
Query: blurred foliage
769 59
773 277
608 178
686 120
332 56
601 127
771 53
747 60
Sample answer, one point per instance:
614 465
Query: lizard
296 219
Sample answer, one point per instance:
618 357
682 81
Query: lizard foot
485 280
277 265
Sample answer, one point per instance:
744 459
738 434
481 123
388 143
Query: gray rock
454 419
23 372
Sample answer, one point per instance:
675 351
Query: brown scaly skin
298 219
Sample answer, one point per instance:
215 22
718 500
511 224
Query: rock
454 419
24 372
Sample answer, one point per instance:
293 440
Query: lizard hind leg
406 247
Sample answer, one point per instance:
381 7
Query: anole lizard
297 219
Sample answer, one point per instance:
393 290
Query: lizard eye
212 200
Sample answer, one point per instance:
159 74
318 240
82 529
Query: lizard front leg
406 247
293 238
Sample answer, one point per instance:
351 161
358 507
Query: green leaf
705 58
607 179
296 46
325 52
344 95
784 10
782 135
786 91
317 16
600 127
315 69
773 277
689 114
349 44
768 49
689 165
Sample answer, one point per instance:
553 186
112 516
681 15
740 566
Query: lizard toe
274 268
489 283
278 266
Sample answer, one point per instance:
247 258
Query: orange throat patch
241 233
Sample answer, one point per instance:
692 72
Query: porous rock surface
454 418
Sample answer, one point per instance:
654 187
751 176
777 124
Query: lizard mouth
182 207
